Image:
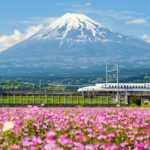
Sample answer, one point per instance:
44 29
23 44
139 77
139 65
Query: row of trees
13 85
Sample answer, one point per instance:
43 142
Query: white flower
118 105
8 125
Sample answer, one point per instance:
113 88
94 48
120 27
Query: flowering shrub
74 128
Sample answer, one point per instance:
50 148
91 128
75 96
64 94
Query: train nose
84 89
80 89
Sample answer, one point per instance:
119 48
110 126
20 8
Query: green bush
133 105
145 105
136 101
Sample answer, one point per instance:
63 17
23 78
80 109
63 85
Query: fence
58 99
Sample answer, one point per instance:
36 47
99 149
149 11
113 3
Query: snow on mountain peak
76 27
74 21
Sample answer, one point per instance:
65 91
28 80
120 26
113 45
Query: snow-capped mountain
77 27
76 41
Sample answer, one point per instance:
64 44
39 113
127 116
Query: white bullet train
113 87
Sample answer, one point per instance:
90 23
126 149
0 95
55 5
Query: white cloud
39 20
108 13
137 21
7 41
79 5
88 4
49 20
74 5
146 37
32 30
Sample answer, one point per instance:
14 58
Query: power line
116 70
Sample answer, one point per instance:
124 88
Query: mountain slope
76 41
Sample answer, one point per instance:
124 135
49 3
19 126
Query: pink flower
111 135
13 147
140 145
123 144
112 147
78 146
57 148
35 107
42 104
65 142
140 138
76 128
102 137
29 106
51 134
118 105
90 147
36 140
58 128
49 147
27 143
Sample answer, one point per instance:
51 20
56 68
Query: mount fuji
74 41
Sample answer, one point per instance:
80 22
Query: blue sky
19 19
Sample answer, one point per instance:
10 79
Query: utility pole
117 68
40 85
106 71
45 95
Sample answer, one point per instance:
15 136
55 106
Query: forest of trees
64 81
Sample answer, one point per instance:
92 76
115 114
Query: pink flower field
36 128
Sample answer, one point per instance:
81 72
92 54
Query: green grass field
68 99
